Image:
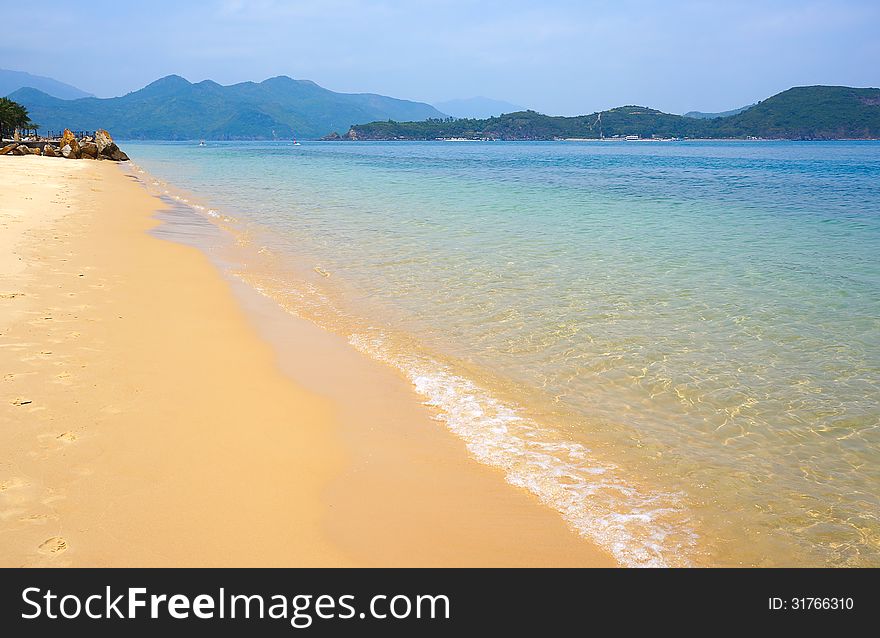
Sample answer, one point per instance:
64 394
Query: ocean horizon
675 345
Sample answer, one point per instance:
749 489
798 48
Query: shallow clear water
675 345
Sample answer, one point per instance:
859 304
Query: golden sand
153 414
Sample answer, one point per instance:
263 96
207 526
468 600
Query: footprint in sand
50 438
54 545
20 401
12 483
10 295
35 519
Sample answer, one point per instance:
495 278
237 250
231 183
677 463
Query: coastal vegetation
13 116
803 113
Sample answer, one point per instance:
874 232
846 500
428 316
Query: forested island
800 113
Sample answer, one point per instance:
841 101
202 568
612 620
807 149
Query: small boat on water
202 143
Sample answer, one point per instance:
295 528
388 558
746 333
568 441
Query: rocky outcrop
68 141
89 150
99 147
117 156
103 140
107 147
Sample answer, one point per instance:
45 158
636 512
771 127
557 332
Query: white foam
639 529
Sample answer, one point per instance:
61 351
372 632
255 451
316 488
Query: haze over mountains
700 115
477 107
11 81
173 108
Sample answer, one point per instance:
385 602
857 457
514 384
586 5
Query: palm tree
12 115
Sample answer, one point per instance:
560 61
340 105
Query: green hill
809 112
529 125
173 108
813 112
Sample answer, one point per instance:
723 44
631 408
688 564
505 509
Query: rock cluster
100 147
69 145
336 137
16 148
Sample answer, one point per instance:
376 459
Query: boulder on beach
6 150
50 151
119 156
36 150
104 141
68 139
89 150
107 148
22 149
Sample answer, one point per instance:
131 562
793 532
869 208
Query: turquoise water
674 345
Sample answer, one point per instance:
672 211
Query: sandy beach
154 413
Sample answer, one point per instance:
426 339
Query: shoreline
144 443
529 455
562 139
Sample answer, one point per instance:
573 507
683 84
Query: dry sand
153 413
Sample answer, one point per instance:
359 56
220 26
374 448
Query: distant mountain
11 81
477 107
801 113
809 112
699 115
173 108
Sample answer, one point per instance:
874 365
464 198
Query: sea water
676 345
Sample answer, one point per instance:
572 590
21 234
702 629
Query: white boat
202 143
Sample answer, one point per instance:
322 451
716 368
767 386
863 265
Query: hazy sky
555 56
